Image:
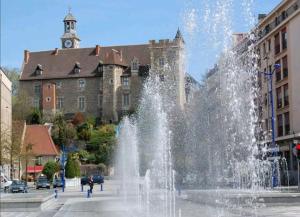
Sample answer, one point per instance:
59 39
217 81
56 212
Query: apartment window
277 44
161 62
278 71
279 125
269 45
285 67
59 102
100 101
37 89
125 80
279 97
284 38
81 83
286 94
81 103
36 102
267 124
100 69
125 99
264 49
287 123
266 99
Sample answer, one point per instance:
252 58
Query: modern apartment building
6 123
279 43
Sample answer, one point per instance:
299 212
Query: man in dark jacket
91 184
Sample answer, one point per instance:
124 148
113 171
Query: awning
35 169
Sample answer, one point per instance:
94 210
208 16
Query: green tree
50 168
62 133
84 132
35 117
72 167
21 106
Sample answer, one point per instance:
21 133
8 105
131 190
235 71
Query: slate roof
40 138
69 17
61 65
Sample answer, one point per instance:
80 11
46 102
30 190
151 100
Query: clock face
68 43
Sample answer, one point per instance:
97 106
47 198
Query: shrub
50 168
84 132
72 168
78 119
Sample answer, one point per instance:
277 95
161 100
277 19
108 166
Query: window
286 94
285 67
278 71
48 99
287 123
39 70
100 101
81 83
36 102
269 45
161 77
100 69
279 97
161 62
266 99
58 84
77 68
125 99
60 102
37 89
279 125
264 49
81 103
284 39
267 124
125 80
134 64
277 44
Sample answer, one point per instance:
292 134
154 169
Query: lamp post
271 104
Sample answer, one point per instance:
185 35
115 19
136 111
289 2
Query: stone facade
104 82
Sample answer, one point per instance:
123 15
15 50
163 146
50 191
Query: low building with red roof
37 148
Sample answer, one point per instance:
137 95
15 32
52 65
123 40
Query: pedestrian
91 184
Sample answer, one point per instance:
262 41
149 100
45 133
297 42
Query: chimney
55 51
26 56
97 50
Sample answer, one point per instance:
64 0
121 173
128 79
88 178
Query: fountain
216 135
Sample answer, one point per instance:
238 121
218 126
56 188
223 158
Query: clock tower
70 38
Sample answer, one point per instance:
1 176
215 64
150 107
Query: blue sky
37 25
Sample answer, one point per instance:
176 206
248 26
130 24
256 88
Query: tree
50 168
62 133
78 119
21 106
35 117
84 132
72 167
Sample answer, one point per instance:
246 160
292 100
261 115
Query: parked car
4 182
42 182
18 186
57 182
98 179
84 180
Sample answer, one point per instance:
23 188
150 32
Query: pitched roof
60 64
69 17
39 137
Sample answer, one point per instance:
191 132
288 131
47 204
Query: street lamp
271 104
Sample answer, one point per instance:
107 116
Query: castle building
104 82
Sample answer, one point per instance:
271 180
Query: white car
5 182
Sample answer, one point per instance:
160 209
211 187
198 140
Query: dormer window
135 64
77 68
39 70
100 69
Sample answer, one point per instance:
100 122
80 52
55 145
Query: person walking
91 184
